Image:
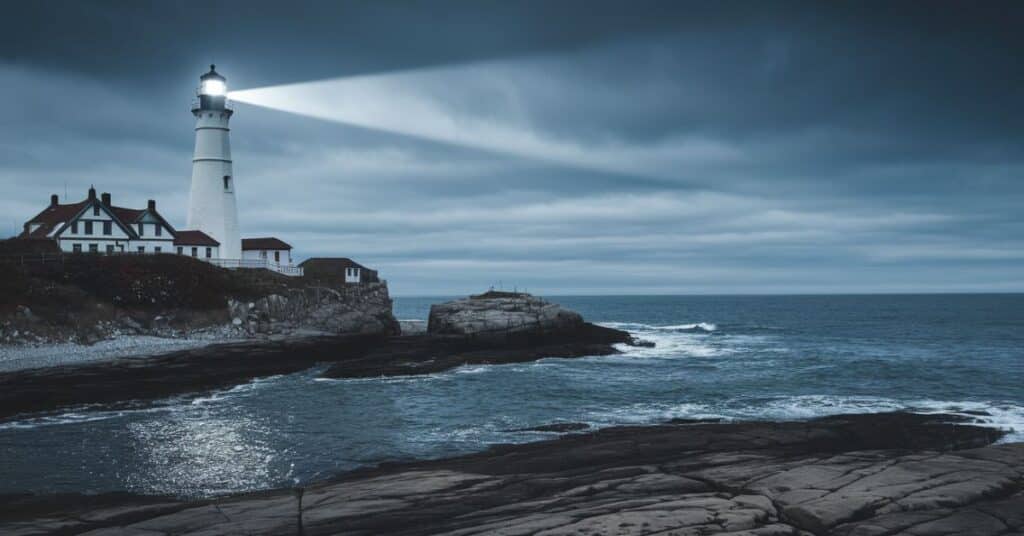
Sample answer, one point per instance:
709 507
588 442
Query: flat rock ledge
856 475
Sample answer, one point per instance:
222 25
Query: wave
93 413
706 327
1005 416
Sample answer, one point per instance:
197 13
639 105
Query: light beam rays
493 106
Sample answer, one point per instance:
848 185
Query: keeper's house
337 270
95 225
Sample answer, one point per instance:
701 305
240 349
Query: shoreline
225 364
32 356
834 475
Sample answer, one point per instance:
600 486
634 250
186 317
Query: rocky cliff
363 308
87 298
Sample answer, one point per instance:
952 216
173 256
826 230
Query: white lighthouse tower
211 204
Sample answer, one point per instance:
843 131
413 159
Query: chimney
152 204
92 193
106 198
53 200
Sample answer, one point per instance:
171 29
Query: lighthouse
211 204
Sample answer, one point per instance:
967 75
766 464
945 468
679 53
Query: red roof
51 217
56 215
127 215
194 238
249 244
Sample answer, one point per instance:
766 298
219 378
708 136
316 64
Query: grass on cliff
132 281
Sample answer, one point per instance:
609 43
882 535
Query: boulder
500 314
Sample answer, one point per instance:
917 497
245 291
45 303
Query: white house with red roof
96 225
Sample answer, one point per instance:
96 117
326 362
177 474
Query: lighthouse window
227 183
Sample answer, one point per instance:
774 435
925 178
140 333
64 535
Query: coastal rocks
359 308
428 354
500 314
852 476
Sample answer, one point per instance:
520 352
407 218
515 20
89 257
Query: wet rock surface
428 354
885 474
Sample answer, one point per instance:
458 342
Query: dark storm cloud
716 146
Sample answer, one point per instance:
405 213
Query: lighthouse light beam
431 104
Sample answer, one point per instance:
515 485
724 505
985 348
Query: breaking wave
705 327
1007 417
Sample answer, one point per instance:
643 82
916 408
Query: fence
58 258
266 264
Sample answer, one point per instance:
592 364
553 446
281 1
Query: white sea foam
1000 415
636 326
84 414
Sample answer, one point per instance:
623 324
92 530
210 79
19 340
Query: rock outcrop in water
500 314
857 475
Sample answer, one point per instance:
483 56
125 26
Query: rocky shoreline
851 475
218 366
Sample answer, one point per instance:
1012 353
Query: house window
209 253
88 227
107 228
159 229
158 249
277 256
77 248
95 210
94 248
142 249
142 229
179 250
195 252
110 249
74 227
227 183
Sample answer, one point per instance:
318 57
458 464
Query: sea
735 358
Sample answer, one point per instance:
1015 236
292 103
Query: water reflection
202 452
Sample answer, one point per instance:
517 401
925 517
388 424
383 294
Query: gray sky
565 147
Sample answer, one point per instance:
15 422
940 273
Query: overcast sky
564 147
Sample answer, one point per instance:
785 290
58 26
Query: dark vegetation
57 296
143 281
